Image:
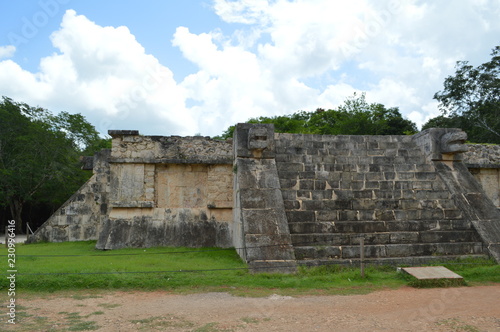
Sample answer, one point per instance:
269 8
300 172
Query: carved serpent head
453 142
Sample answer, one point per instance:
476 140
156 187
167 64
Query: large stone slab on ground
431 272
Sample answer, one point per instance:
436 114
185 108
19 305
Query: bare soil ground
404 309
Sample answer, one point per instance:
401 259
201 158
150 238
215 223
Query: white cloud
104 73
306 38
334 95
7 51
234 84
243 11
18 83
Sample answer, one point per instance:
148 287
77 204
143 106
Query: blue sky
153 23
195 67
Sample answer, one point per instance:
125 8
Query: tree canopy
355 117
471 100
39 155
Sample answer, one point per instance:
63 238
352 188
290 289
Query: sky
196 67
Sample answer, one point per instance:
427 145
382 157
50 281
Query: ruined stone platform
284 200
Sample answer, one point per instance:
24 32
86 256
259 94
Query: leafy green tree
357 117
293 123
389 121
443 121
354 117
39 155
473 94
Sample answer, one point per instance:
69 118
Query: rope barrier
175 252
346 263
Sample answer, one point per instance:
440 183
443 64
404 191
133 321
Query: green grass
210 327
250 320
229 272
109 305
161 322
456 325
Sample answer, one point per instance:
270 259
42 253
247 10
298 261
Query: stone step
389 250
412 162
378 226
355 171
336 239
397 261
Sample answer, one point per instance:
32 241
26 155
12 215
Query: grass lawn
49 267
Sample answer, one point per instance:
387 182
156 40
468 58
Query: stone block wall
483 161
168 191
130 147
359 178
482 154
261 228
338 189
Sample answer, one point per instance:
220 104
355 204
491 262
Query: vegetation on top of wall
355 117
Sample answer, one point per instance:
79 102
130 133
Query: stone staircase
338 189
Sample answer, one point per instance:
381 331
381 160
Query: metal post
362 256
6 229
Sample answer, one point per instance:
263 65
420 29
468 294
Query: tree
442 121
390 121
39 155
354 117
473 93
357 117
293 123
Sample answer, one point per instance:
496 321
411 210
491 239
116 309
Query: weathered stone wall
338 189
81 216
489 178
156 190
168 191
483 161
261 232
465 190
355 178
130 147
482 154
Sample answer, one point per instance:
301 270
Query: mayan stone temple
288 199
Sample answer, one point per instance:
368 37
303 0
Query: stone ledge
114 133
215 161
482 165
133 204
218 207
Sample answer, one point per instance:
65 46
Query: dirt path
405 309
